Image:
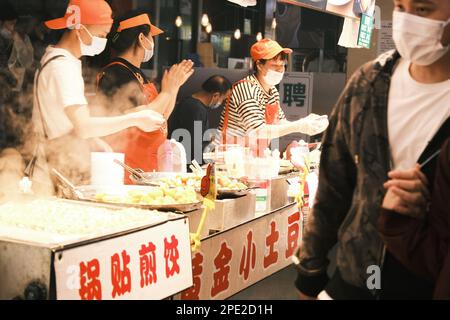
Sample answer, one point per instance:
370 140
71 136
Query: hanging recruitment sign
296 92
365 31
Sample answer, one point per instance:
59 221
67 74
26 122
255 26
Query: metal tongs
77 194
138 174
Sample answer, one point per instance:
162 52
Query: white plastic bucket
104 171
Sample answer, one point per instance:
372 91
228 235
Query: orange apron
271 115
140 147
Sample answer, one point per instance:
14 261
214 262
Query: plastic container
104 171
165 157
179 160
234 161
262 195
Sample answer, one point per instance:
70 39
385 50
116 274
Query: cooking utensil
199 170
138 174
74 191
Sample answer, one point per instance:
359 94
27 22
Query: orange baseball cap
139 20
267 49
86 12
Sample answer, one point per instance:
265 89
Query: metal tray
183 208
155 177
89 192
152 178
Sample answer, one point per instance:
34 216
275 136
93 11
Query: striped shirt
247 106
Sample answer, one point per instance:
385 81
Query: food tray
90 191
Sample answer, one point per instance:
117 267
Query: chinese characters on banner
147 264
222 270
248 258
90 285
296 92
154 263
233 260
120 274
193 292
271 240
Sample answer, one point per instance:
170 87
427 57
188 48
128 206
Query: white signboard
296 92
385 41
154 263
236 259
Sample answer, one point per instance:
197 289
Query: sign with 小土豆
233 260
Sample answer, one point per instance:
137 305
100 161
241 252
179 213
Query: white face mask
97 46
273 78
148 52
418 39
6 33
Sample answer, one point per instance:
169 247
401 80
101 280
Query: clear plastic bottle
179 161
165 157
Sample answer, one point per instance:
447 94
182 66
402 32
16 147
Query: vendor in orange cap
60 115
127 87
252 116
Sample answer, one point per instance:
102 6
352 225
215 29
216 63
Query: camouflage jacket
355 161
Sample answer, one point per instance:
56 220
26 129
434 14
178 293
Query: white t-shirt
416 111
60 85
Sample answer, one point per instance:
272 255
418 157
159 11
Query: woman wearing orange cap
60 113
122 80
253 115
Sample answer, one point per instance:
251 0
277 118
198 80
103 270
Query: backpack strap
36 84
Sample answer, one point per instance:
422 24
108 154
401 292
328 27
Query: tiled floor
279 286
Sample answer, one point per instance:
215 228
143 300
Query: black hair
122 41
281 55
7 11
216 84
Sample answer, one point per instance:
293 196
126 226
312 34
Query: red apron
272 116
140 147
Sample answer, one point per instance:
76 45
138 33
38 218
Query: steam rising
69 154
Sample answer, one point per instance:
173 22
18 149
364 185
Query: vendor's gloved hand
148 120
313 124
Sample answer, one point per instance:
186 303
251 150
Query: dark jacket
423 246
191 115
354 165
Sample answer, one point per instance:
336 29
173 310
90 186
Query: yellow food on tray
156 196
223 182
226 183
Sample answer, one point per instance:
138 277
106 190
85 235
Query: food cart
58 249
129 242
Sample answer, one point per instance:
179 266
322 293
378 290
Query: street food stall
59 249
137 241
